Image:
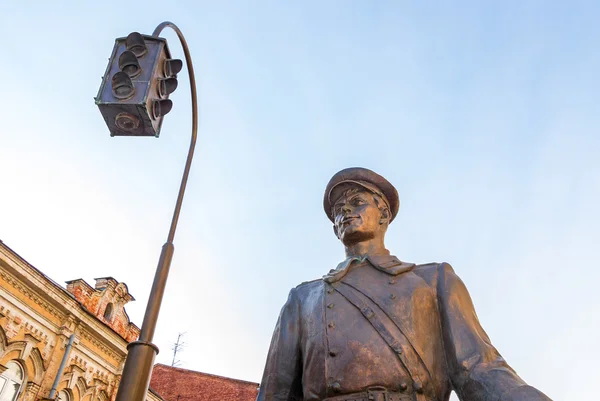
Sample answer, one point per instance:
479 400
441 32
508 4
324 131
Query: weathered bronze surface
140 76
379 329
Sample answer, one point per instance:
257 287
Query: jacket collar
389 264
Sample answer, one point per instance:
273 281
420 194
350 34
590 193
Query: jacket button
333 353
336 387
392 281
330 305
418 386
403 386
330 290
331 325
392 296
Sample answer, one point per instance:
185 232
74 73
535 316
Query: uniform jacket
323 345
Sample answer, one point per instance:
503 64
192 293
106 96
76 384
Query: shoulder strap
400 344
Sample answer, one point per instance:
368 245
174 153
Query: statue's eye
357 202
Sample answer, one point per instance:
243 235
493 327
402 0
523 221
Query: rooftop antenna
178 346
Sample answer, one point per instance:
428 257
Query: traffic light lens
130 70
172 67
122 87
129 64
127 122
123 92
166 87
136 44
161 107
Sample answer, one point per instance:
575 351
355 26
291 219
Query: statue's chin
356 236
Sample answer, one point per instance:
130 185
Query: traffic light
134 94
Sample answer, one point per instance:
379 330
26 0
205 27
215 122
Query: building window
108 312
63 396
11 381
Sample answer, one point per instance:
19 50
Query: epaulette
429 271
425 266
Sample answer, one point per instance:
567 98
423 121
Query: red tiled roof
176 384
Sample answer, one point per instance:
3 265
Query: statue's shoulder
309 284
430 271
427 268
307 289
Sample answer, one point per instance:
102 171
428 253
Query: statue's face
357 218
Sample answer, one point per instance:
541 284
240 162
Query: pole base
137 371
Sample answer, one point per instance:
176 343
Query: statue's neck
370 247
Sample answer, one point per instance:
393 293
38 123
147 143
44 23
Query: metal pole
61 367
141 353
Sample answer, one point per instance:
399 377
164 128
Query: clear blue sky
485 117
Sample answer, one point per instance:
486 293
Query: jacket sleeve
476 369
282 377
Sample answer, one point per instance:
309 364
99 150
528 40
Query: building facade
69 344
62 344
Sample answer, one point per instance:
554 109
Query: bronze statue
379 329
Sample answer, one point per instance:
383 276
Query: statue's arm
476 369
282 377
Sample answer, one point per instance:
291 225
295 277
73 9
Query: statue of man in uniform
379 329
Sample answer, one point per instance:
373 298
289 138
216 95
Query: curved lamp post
133 100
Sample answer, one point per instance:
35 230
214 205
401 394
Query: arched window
11 381
63 396
108 311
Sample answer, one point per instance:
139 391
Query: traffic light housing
134 95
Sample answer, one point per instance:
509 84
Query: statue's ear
385 216
335 231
